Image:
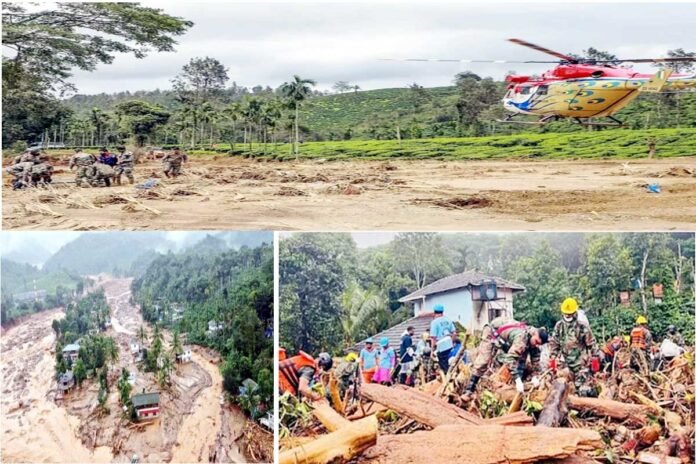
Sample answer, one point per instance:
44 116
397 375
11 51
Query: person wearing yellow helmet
641 344
573 340
347 372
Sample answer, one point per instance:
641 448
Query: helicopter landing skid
614 123
540 122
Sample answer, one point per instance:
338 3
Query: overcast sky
266 43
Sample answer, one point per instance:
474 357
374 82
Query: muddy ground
220 193
194 425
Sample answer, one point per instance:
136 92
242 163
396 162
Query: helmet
425 335
351 357
369 340
627 338
569 306
671 328
384 341
324 361
641 320
438 309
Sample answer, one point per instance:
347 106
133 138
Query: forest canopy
333 294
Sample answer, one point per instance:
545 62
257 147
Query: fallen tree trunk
417 405
634 413
555 408
328 417
483 444
339 446
519 418
652 458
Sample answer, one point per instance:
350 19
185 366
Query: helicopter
580 88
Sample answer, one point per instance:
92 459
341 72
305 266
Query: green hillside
19 278
423 113
617 143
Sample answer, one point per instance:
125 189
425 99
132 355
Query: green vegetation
230 290
113 252
82 323
621 144
333 294
59 285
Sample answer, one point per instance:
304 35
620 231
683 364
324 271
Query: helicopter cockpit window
525 90
542 90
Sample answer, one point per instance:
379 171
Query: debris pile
636 418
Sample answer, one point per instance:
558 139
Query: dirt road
40 431
400 195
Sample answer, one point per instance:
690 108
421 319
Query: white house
71 351
185 355
471 298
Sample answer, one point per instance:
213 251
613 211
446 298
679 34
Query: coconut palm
365 312
233 112
296 92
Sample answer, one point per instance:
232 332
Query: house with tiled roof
470 298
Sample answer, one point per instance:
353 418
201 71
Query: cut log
335 395
634 413
516 403
417 405
483 444
652 458
555 407
519 418
328 417
372 408
339 446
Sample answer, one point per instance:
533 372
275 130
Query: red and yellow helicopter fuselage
586 91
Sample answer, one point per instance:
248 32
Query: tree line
333 294
230 290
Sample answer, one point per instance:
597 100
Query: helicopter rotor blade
679 59
452 60
541 49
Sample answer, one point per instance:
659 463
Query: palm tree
270 114
365 311
296 92
233 112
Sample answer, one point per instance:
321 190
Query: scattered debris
290 192
455 202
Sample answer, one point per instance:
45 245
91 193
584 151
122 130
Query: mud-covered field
39 425
240 194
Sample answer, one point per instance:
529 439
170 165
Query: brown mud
240 194
194 425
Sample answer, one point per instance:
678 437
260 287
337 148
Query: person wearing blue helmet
368 360
386 363
441 332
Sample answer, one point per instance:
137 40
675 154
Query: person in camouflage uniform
347 374
515 341
101 173
124 165
20 172
574 341
674 335
172 162
41 173
84 163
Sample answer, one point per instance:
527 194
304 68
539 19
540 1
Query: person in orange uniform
296 373
641 343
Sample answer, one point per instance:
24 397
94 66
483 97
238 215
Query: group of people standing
517 346
32 168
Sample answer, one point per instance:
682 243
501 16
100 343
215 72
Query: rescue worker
20 173
101 173
516 341
608 352
347 373
172 162
441 330
424 355
295 374
84 163
41 173
406 357
124 165
106 157
641 343
573 340
674 335
368 360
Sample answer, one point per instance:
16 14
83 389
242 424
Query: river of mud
194 425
